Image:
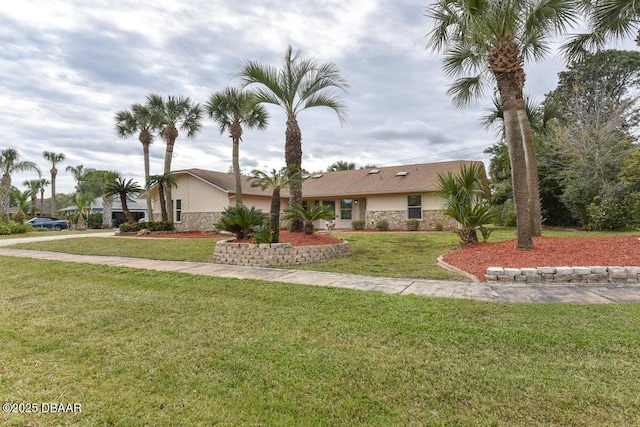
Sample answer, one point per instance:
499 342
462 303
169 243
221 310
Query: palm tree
466 200
276 182
22 200
82 201
167 116
309 215
54 158
9 163
341 165
123 189
162 182
43 183
300 84
79 173
34 188
137 121
496 37
234 109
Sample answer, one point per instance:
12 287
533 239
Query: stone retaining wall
565 274
264 255
431 220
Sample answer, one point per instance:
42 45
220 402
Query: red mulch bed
296 239
548 252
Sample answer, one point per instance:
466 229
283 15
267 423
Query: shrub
240 219
438 226
263 233
413 224
134 227
505 214
13 227
616 211
382 225
358 224
94 221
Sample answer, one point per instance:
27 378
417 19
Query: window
414 207
331 204
346 206
178 210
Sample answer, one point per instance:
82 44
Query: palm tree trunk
532 171
54 173
5 185
163 207
293 158
125 208
507 84
145 151
275 215
107 211
34 201
236 134
167 169
41 201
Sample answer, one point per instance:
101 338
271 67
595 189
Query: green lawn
149 348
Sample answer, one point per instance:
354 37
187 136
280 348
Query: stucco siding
198 196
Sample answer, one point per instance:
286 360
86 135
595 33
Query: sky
68 66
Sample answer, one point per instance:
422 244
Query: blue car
48 222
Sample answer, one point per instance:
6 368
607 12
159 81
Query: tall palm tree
54 158
79 172
276 182
10 163
300 84
43 183
486 43
234 109
123 189
167 116
137 121
162 182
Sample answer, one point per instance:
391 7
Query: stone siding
431 220
564 274
198 221
264 255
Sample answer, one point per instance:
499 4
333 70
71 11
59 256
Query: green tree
22 201
488 42
162 182
233 109
300 84
466 197
167 116
95 183
10 163
79 173
137 120
82 201
276 181
123 189
341 165
309 214
54 158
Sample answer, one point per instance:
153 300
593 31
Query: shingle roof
421 177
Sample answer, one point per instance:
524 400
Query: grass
40 233
151 348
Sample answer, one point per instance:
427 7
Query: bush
358 224
382 225
94 221
13 227
616 211
438 226
262 233
134 227
505 214
413 224
240 219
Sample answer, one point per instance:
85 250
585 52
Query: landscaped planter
564 274
264 255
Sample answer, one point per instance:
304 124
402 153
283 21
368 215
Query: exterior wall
264 255
431 220
202 221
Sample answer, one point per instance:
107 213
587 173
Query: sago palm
168 116
485 44
137 121
54 158
233 109
300 84
10 163
309 214
276 182
123 189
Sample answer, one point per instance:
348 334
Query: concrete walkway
502 292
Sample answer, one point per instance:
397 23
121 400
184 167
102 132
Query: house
395 193
138 208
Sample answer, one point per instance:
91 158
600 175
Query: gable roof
417 178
